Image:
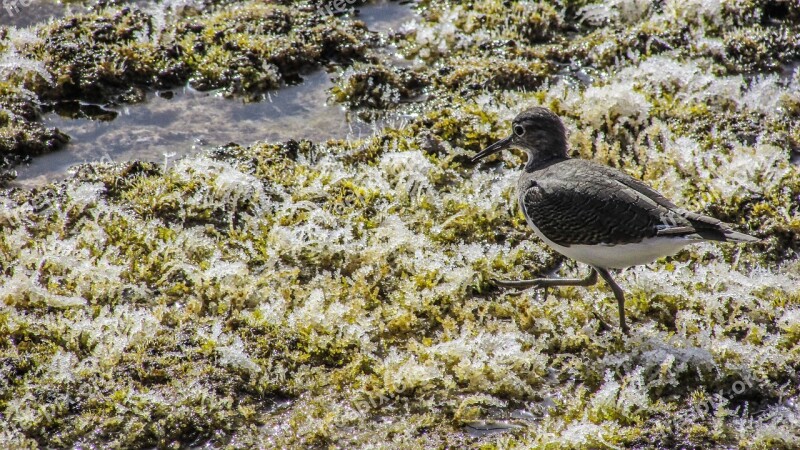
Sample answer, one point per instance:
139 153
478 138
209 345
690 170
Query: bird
595 214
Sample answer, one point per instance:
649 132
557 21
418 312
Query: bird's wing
700 226
634 184
597 209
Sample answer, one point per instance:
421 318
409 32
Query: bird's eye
519 130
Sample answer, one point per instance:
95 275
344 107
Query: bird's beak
502 144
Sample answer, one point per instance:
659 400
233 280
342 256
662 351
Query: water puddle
27 13
184 121
190 121
24 13
385 16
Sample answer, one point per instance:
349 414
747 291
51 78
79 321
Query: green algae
21 135
377 86
339 294
245 49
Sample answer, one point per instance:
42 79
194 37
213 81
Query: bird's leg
618 294
590 280
603 325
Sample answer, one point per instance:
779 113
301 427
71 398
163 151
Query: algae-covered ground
337 294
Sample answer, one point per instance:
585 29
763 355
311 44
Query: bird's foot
604 326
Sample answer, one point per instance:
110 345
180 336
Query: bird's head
539 132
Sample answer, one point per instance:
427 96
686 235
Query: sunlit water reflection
184 121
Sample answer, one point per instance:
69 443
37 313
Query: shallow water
385 16
180 122
24 13
193 120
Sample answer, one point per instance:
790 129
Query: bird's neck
538 162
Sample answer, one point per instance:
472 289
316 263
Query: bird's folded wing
597 210
699 226
634 184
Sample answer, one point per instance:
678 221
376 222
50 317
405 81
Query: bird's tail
735 236
713 229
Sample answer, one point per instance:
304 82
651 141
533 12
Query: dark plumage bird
596 214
